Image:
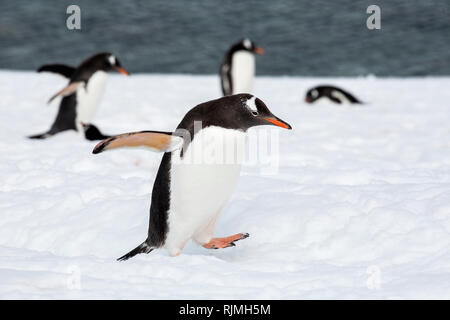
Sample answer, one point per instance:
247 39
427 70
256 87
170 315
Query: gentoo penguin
334 94
238 67
198 171
82 95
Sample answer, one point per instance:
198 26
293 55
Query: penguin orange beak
259 50
122 71
278 122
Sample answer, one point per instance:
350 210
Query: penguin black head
313 94
247 45
106 61
239 111
252 112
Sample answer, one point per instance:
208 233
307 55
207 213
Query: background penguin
238 67
334 94
190 190
82 95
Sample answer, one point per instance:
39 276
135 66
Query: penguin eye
255 113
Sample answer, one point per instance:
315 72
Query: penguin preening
332 93
193 184
238 67
82 95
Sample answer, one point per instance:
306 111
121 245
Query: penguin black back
64 119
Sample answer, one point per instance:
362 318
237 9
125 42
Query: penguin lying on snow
332 93
238 67
189 195
82 95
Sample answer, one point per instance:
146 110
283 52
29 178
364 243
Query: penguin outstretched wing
71 88
62 69
155 140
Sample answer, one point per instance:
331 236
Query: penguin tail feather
142 248
40 136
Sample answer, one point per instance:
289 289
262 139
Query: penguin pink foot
220 243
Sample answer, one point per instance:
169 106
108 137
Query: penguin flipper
334 99
71 88
155 140
142 248
61 69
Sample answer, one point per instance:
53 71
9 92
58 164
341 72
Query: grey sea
307 38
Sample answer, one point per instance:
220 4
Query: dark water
314 38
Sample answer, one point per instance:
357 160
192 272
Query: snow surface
359 206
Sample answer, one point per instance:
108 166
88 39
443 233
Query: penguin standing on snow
332 93
194 183
238 67
82 95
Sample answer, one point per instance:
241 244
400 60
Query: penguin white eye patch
250 104
155 140
112 60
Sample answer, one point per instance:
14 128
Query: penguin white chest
242 71
89 97
203 181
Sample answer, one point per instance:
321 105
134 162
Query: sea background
301 38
